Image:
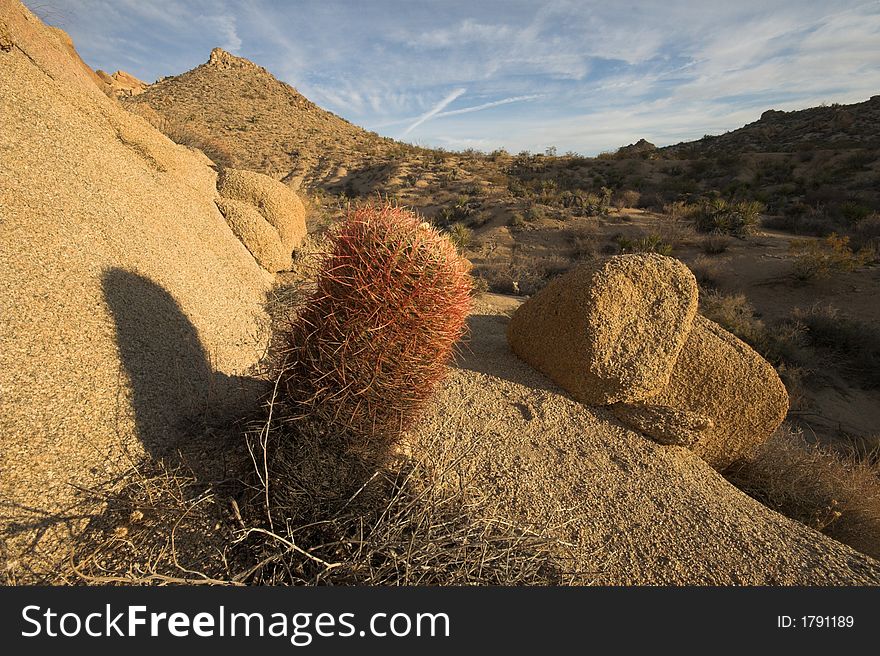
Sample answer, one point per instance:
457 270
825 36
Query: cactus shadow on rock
184 411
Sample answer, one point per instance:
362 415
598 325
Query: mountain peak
224 60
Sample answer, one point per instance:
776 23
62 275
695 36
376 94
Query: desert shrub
803 219
534 213
583 239
516 221
859 161
674 229
626 198
548 191
773 171
833 493
856 343
586 203
651 243
819 258
715 244
853 212
461 211
720 216
460 235
734 313
366 351
522 275
866 234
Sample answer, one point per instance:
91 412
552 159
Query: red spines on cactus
370 346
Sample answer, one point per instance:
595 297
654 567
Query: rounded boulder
609 331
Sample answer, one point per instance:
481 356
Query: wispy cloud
465 110
439 107
225 27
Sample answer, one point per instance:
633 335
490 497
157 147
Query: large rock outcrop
609 331
625 510
720 378
265 214
130 312
120 84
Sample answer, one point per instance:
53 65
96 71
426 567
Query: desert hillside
160 243
818 128
240 112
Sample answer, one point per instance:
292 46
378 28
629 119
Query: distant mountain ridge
832 127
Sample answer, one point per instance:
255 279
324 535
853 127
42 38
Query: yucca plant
370 346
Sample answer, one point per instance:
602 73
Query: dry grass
411 522
708 272
833 493
159 525
715 244
286 522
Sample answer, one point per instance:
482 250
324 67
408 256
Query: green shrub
462 210
722 217
460 235
853 212
648 244
366 351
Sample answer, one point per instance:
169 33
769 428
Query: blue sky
579 75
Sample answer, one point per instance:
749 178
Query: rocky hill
833 127
257 122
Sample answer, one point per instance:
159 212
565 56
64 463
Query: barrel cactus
371 344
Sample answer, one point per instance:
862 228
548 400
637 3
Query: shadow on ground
486 351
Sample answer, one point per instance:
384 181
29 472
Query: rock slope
129 308
626 510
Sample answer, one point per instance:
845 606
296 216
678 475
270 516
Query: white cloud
225 27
